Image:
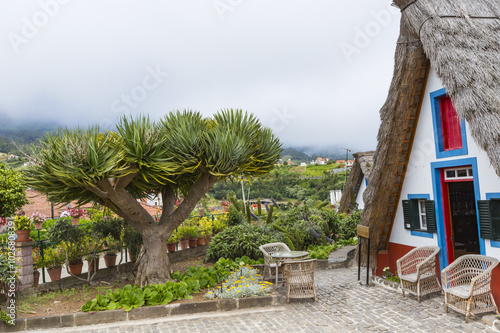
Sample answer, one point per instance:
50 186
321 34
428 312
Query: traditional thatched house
434 174
357 182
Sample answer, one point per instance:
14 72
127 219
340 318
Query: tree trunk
154 266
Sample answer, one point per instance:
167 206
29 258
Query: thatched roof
461 39
363 162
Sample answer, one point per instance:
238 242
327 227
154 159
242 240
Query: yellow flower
246 285
229 290
238 291
209 292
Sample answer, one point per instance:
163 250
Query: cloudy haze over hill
317 72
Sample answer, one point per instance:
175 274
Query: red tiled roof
39 203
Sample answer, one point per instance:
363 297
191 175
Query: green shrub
234 217
241 240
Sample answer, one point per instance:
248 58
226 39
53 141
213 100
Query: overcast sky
315 71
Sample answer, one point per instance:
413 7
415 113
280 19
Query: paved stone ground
343 306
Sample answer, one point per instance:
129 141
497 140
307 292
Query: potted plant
74 252
192 232
38 220
53 261
172 242
91 248
37 264
75 214
23 228
112 247
183 237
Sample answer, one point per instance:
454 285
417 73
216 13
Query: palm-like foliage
183 152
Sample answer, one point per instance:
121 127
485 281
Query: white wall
359 198
418 178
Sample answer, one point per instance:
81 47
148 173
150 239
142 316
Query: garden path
343 306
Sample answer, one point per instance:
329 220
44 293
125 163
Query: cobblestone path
343 306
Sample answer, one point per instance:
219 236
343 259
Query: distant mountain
24 130
295 155
303 154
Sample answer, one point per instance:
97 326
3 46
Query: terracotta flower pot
36 278
93 264
75 220
201 212
55 274
38 225
76 269
171 247
200 241
184 244
193 242
23 235
110 260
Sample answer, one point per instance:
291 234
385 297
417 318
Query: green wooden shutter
495 218
483 207
430 213
414 215
406 214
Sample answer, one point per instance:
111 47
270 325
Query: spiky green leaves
172 152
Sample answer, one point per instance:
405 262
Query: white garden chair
417 271
466 285
269 262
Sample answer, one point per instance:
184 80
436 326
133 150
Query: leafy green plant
321 251
5 318
234 217
241 240
22 223
388 275
53 258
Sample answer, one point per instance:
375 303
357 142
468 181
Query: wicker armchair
417 271
299 277
269 262
466 285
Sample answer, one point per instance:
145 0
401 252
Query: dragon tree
182 154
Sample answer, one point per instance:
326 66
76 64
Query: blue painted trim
488 197
438 132
436 185
419 196
492 196
420 233
366 181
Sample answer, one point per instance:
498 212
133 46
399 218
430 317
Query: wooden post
363 232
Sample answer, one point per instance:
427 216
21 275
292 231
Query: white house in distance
435 179
358 181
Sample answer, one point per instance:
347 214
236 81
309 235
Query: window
449 132
459 174
419 215
450 125
489 218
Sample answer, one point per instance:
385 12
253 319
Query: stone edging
145 312
391 285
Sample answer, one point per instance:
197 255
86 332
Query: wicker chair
299 277
466 285
269 262
417 271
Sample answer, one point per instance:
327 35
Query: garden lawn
71 300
